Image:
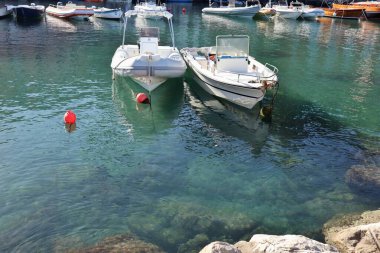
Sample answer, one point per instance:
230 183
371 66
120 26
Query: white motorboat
227 71
288 12
232 10
148 63
5 11
70 10
307 11
107 13
149 9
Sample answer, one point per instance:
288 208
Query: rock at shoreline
354 233
220 247
262 243
121 243
366 178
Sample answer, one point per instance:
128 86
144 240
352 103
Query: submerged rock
365 178
220 247
120 243
356 233
262 243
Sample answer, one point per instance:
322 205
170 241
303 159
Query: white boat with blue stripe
228 72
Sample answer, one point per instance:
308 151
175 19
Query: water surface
190 169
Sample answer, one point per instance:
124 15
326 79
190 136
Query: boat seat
148 45
229 63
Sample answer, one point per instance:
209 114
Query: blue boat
26 12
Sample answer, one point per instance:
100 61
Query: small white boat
70 10
288 12
232 10
307 12
148 63
149 9
227 71
5 11
107 13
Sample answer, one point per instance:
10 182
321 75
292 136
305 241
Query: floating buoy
142 98
69 117
183 10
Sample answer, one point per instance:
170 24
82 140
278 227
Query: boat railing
272 68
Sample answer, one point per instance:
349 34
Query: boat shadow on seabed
233 120
165 104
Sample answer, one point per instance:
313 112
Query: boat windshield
232 45
149 32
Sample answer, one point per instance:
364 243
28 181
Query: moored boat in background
372 8
307 11
25 12
107 13
232 9
5 11
70 10
344 11
287 12
149 9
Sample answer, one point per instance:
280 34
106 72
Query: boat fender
142 98
266 113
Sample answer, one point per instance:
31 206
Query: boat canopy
165 14
152 32
232 45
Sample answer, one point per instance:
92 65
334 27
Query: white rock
261 243
220 247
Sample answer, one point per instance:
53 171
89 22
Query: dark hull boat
27 12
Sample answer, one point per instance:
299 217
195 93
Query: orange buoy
69 117
142 98
183 10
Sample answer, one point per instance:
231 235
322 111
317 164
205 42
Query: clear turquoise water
193 169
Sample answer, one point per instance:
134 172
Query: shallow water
190 169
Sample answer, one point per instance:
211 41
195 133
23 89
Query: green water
191 169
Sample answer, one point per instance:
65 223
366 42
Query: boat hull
76 13
344 11
23 12
372 9
108 13
148 70
233 11
312 13
5 12
288 14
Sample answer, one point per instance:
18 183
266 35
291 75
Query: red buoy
183 10
142 98
69 117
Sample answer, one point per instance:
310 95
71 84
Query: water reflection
60 24
230 119
210 20
166 103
